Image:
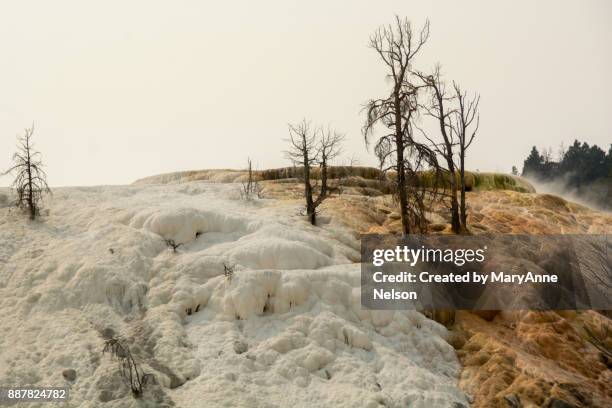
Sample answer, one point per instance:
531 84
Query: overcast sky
120 90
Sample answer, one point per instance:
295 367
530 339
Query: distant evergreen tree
583 164
584 169
533 164
514 171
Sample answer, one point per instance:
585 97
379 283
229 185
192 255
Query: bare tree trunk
401 170
310 208
250 182
324 186
462 174
448 156
456 227
438 111
31 204
465 126
324 172
403 195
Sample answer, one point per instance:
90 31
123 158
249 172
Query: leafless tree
353 161
561 151
329 147
310 147
344 173
547 154
251 188
133 376
303 152
397 45
440 107
30 179
465 124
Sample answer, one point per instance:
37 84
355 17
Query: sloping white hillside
284 330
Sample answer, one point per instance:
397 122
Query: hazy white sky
125 89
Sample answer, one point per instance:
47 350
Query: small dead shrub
172 244
228 271
132 375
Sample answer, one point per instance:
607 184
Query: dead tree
303 152
329 148
397 45
30 179
439 109
310 147
132 375
251 188
466 124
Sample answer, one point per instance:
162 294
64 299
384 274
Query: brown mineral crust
510 359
